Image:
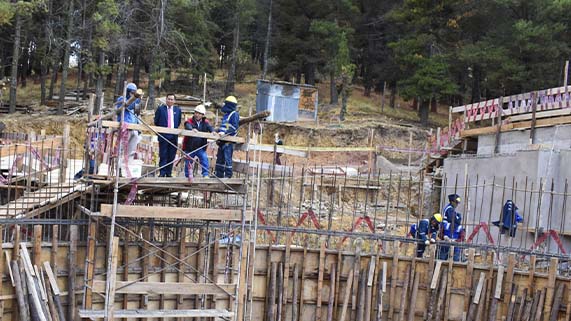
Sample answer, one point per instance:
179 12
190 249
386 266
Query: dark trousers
224 160
167 153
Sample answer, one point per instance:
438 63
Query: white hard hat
200 109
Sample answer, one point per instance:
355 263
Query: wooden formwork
293 283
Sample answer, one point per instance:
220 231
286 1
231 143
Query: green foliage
6 12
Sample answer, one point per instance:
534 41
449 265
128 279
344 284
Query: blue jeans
224 160
202 159
167 153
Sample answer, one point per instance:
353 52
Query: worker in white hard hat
229 127
195 147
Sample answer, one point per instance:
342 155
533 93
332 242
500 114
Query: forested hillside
447 51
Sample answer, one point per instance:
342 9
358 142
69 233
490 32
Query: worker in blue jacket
426 232
228 127
449 211
510 218
132 103
451 232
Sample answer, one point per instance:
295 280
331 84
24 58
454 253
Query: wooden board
208 214
175 131
92 314
127 287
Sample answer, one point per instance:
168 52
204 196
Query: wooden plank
198 313
330 303
111 281
512 303
166 288
394 279
320 275
553 265
469 277
369 290
532 260
557 302
499 282
30 277
441 295
295 290
539 311
207 214
404 292
449 282
414 294
346 296
176 131
541 114
72 268
286 274
435 276
181 266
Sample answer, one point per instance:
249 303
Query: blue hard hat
131 87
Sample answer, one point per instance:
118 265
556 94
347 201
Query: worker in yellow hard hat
228 127
425 232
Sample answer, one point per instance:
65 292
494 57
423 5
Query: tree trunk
476 93
415 104
393 88
344 97
99 83
55 69
66 53
24 65
434 105
267 45
232 68
15 56
79 55
120 79
423 111
333 88
152 80
310 74
137 69
43 75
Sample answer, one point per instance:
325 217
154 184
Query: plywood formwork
447 289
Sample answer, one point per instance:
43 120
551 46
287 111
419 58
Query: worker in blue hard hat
451 232
228 127
425 232
132 102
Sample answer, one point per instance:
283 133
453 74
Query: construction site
90 234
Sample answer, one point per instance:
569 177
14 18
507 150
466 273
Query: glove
446 238
427 242
432 241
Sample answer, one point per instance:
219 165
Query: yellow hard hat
438 217
231 99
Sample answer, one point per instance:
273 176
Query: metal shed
286 101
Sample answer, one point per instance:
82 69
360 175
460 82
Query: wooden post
320 274
554 263
371 139
369 295
22 304
37 250
272 292
346 296
411 309
72 268
286 275
55 246
394 279
111 280
330 303
441 295
182 267
449 283
55 289
403 296
383 97
566 74
469 273
295 290
557 302
241 300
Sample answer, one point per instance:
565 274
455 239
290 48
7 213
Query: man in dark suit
168 116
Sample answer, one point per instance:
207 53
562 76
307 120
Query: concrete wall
559 136
494 179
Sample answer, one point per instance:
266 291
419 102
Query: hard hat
200 109
131 87
437 217
231 99
454 198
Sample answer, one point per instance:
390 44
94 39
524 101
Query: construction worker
451 231
510 218
426 232
196 146
132 109
449 211
228 127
